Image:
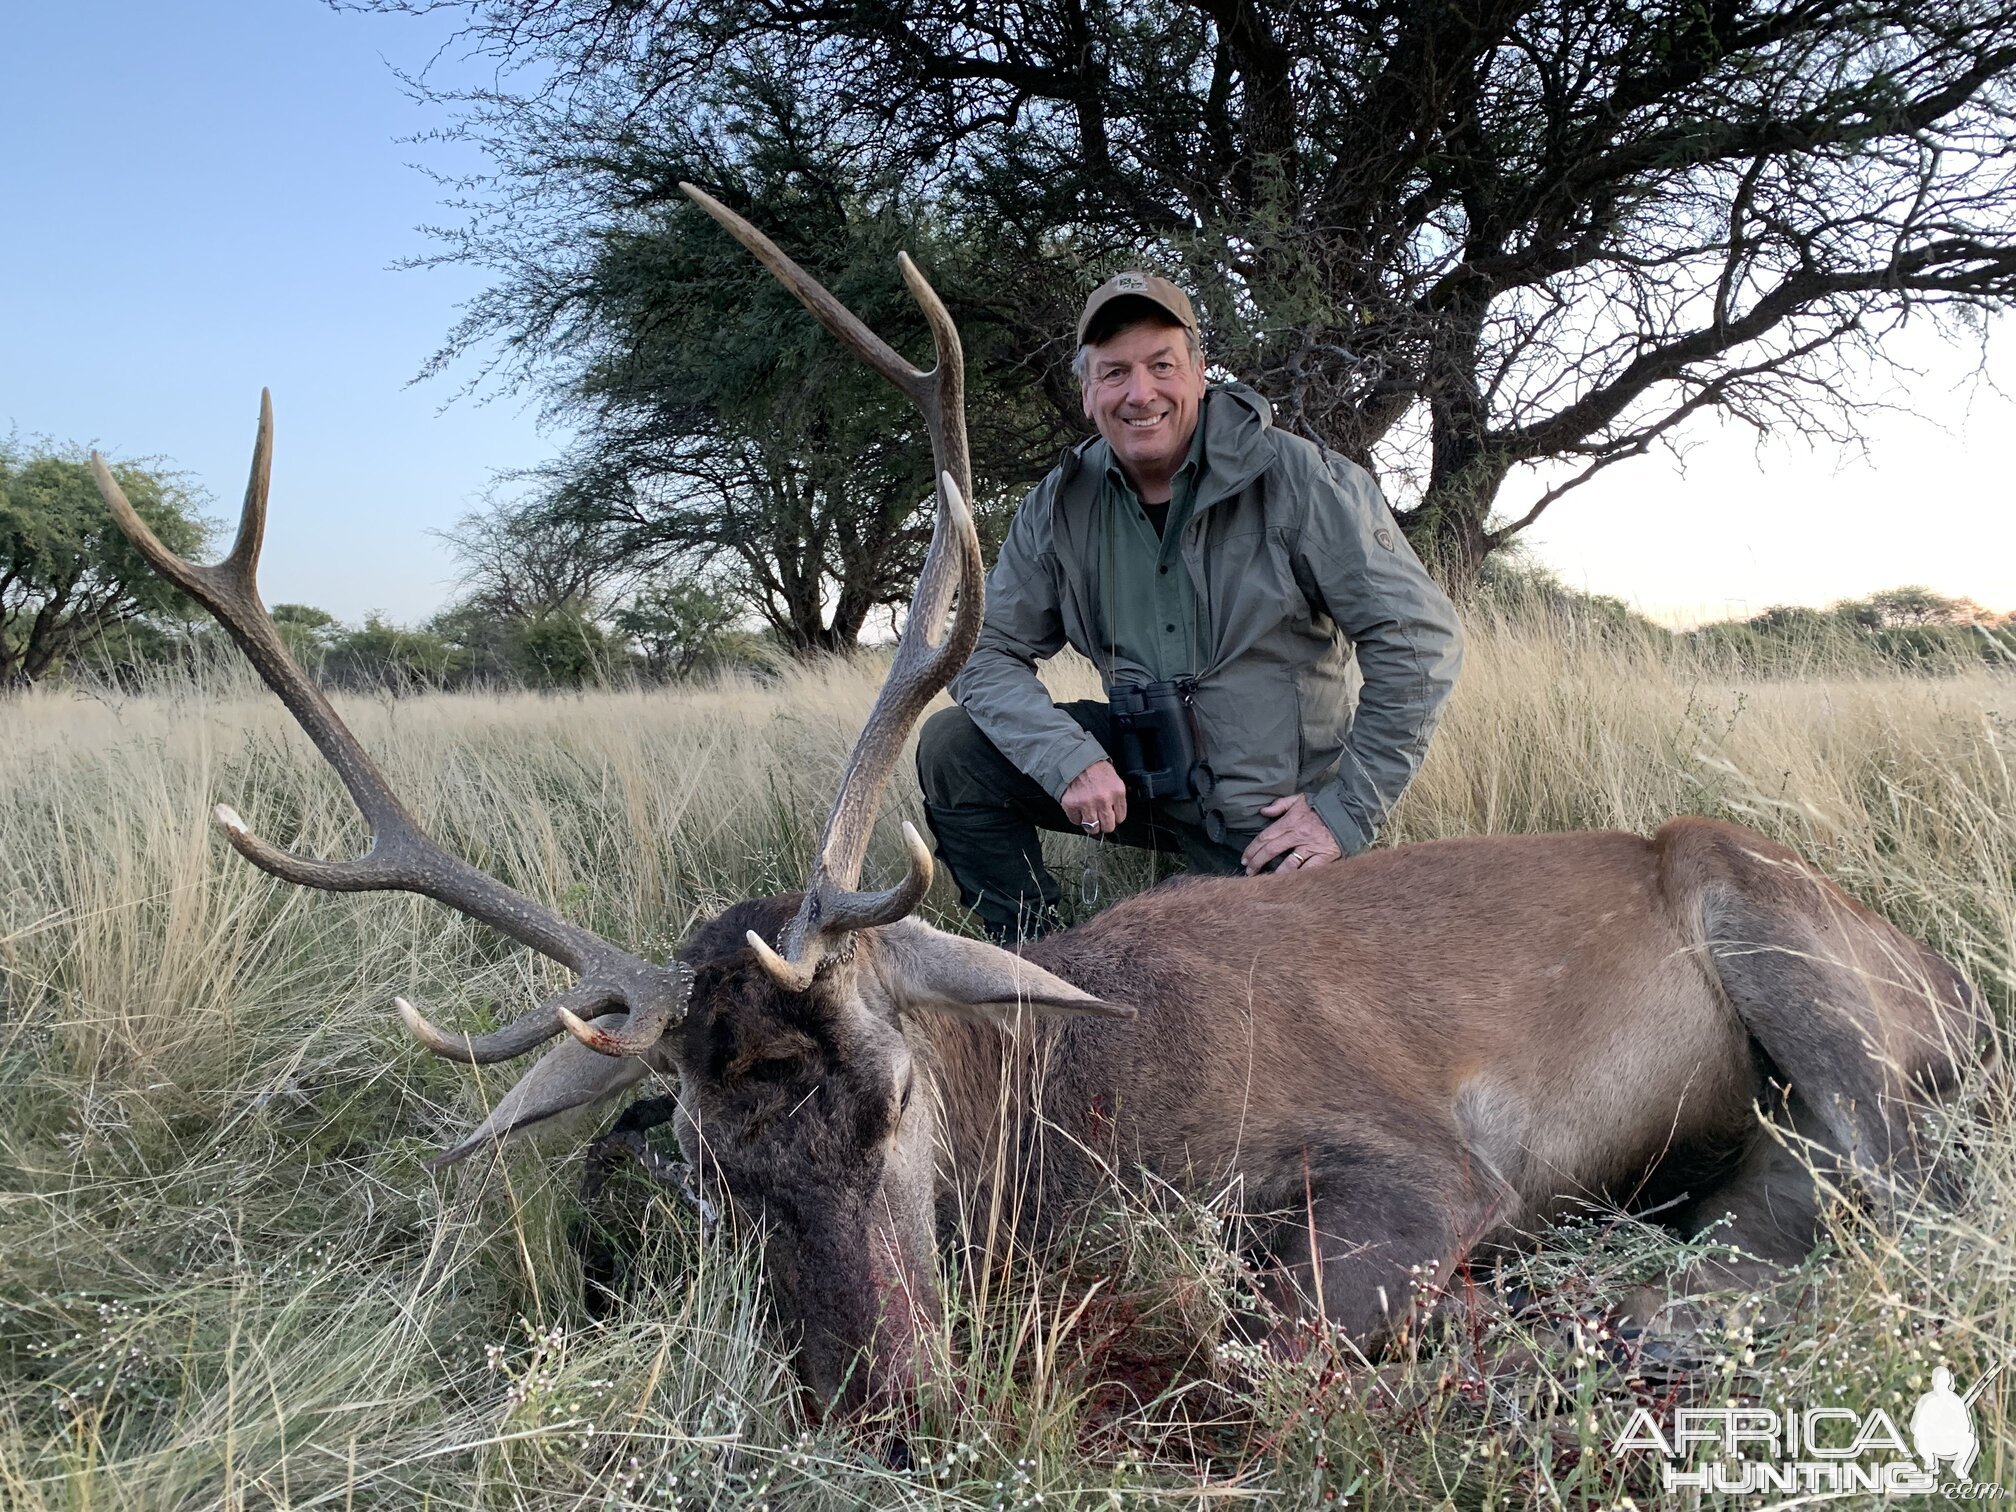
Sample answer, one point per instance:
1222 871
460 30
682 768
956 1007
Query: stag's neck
973 1066
1009 1115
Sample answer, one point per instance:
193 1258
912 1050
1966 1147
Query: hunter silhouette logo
1942 1424
1830 1449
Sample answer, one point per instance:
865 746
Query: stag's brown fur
1419 1051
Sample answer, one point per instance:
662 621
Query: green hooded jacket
1306 586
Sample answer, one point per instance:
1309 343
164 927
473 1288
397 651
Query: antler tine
640 1030
843 911
829 312
243 562
924 663
401 857
945 414
230 591
526 1032
939 394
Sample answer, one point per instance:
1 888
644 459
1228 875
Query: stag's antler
401 857
924 661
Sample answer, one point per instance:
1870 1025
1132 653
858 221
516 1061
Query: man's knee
948 746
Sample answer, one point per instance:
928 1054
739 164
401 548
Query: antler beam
927 656
401 857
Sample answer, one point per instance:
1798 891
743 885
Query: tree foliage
67 576
1460 241
677 626
1911 627
380 654
1914 606
309 634
564 648
722 432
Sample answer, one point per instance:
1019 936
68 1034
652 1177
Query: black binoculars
1159 747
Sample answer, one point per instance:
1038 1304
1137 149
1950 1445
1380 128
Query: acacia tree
678 626
1914 607
721 431
67 574
1454 239
516 561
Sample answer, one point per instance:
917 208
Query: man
1232 571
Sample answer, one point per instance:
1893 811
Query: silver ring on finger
1300 857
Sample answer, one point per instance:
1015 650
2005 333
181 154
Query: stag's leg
1866 1025
1378 1238
1768 1207
1767 1212
623 1142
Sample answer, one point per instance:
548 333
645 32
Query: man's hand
1096 801
1296 833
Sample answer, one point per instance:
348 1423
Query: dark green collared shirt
1147 600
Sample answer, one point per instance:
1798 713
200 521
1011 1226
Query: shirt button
1163 570
1170 628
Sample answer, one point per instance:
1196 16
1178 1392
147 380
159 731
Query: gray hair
1081 360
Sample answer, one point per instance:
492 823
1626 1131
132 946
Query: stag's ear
925 968
570 1075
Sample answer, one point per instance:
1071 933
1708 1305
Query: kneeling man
1225 578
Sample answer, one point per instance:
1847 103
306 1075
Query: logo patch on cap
1131 283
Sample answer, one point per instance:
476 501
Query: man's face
1143 393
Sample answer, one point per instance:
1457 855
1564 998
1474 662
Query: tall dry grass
229 1281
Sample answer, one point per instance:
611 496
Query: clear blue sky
205 199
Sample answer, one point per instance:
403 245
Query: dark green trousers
984 813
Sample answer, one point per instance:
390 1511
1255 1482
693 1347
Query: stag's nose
850 1383
863 1352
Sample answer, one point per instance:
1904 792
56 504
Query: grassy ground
228 1280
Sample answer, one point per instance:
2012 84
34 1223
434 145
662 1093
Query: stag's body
1602 1019
1559 1042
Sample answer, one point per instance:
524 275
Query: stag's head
815 1108
789 1023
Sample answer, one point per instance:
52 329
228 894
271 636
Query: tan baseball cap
1134 284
